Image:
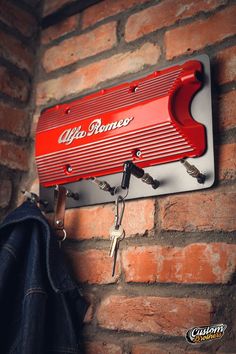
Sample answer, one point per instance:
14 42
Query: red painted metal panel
93 136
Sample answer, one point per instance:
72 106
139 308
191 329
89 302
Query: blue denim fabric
41 309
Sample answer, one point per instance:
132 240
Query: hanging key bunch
117 232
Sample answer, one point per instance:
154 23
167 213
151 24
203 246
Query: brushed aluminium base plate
172 176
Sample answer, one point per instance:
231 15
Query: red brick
17 18
60 29
16 121
171 316
226 63
17 53
200 211
165 14
80 47
102 348
13 86
13 156
93 266
105 9
227 109
227 161
86 223
195 263
90 76
162 349
201 33
5 192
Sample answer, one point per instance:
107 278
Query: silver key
116 236
117 232
115 257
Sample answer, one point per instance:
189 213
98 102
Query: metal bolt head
69 169
59 222
138 153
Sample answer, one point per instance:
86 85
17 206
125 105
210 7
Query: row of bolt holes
132 89
135 153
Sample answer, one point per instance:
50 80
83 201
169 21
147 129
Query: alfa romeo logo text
96 127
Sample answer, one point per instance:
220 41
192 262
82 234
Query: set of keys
117 232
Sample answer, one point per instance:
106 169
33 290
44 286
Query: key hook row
69 193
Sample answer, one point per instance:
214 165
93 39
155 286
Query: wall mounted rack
153 135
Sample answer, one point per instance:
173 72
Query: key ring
119 212
64 235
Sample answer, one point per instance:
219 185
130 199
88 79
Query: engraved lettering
63 136
96 127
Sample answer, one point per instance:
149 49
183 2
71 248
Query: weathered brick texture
226 66
171 316
16 52
201 33
227 162
96 221
105 9
18 35
165 14
60 29
16 122
12 85
79 47
227 109
15 17
195 263
93 74
93 266
200 211
14 156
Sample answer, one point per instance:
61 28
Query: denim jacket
41 309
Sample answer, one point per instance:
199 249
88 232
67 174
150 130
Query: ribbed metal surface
160 141
95 135
156 87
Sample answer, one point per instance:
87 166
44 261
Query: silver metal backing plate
172 176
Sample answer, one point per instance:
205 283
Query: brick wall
176 267
18 38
